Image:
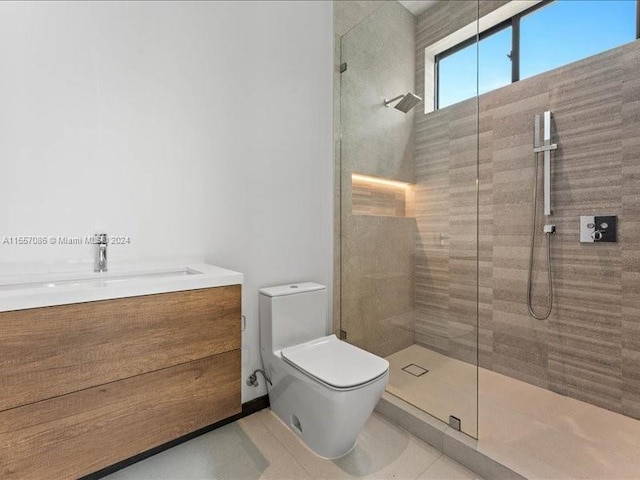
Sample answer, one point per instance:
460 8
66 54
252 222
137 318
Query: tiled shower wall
590 346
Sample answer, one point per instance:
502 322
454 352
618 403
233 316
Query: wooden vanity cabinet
86 385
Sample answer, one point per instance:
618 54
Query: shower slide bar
545 147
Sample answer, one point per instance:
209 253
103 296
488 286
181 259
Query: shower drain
415 370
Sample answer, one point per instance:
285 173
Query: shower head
406 103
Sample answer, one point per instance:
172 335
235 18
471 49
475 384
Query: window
457 76
457 71
495 74
546 36
567 31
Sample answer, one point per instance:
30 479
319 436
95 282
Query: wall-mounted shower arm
387 103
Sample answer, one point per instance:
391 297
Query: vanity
100 367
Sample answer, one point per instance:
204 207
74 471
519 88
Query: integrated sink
98 279
19 292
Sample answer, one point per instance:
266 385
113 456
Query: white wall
194 128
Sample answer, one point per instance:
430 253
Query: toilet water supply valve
252 381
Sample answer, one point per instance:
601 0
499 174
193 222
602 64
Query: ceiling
417 6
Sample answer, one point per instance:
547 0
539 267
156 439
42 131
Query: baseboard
248 408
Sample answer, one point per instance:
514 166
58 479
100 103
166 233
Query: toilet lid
335 362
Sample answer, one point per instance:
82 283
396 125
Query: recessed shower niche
380 196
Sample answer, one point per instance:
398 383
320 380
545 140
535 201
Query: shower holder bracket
545 148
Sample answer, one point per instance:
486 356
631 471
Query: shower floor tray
530 430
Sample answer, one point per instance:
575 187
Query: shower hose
547 313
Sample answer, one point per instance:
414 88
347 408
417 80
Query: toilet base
328 421
309 448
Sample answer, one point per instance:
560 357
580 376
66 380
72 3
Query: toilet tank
292 314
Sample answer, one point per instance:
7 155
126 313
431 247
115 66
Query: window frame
514 23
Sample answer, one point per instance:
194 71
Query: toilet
322 388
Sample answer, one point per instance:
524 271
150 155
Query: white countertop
20 292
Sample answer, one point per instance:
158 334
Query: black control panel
606 229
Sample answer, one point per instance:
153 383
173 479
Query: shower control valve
598 229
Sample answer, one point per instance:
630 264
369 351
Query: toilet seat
336 363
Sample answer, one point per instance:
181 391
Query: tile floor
260 446
535 432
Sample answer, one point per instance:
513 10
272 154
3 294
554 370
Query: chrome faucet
100 263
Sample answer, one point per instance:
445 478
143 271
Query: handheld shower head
406 103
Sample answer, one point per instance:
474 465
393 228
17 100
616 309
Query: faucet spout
100 263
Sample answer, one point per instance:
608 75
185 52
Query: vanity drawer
52 351
82 432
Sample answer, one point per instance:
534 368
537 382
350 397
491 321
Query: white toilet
322 388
